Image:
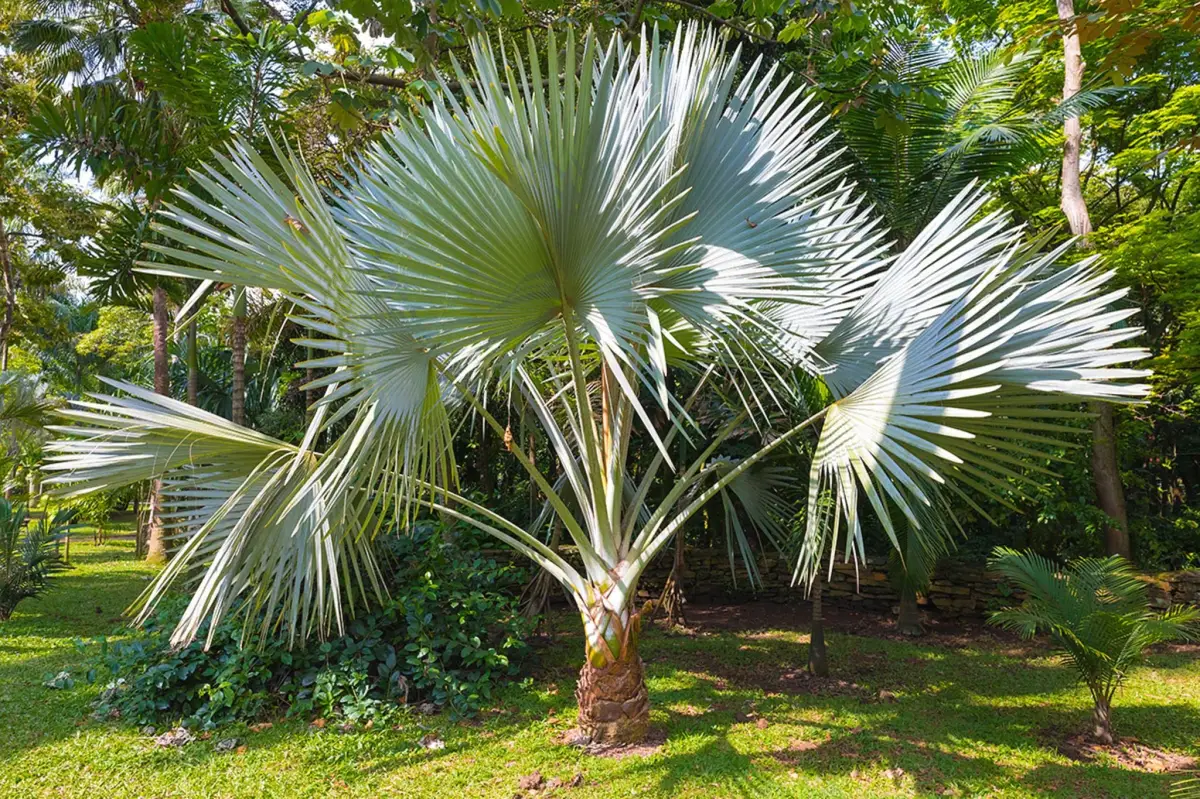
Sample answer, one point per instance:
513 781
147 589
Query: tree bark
10 296
238 347
818 660
614 705
156 545
908 622
1106 473
193 364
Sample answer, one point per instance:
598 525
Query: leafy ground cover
965 714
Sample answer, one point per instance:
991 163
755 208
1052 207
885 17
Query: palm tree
27 562
1097 614
580 227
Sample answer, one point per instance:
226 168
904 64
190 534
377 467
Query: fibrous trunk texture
672 599
237 345
614 705
1106 475
156 545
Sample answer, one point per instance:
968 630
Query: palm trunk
156 545
908 621
1102 720
193 365
10 296
1106 474
672 598
238 348
818 661
614 705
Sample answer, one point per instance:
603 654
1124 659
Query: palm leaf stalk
575 228
1097 614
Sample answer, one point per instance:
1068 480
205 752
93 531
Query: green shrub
29 560
450 633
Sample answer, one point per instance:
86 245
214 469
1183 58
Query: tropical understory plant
1097 614
28 554
574 230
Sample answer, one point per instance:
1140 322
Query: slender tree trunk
818 660
238 347
1110 493
193 364
672 599
908 622
1106 473
1102 720
614 705
156 545
10 296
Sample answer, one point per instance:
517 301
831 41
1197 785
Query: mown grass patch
908 719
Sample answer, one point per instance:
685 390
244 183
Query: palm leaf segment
600 210
946 373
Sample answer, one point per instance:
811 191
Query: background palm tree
1098 616
580 227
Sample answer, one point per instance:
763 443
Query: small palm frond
1188 788
1095 609
761 493
28 560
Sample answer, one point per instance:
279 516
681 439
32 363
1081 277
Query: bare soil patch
652 743
1128 753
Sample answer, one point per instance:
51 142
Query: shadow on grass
929 718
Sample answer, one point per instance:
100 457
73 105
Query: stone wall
958 589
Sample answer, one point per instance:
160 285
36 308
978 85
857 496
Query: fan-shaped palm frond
569 229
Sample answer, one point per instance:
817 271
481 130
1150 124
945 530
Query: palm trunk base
908 622
1102 723
614 705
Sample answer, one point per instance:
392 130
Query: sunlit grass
977 721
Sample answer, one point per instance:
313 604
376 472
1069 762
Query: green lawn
976 721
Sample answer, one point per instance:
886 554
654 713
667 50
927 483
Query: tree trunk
672 598
193 364
1102 720
238 347
10 296
908 622
156 545
1106 474
614 705
818 661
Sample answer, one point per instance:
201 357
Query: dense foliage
449 635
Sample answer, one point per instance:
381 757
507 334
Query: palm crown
605 215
